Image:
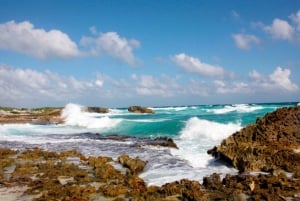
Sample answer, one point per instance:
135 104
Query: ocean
195 129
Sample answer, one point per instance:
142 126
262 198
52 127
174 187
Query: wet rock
164 141
135 165
139 109
267 145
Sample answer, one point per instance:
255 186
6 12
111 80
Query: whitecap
240 108
74 115
198 136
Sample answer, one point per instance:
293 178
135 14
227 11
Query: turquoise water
195 129
169 121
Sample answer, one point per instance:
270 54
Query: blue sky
153 53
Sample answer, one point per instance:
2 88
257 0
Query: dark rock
212 182
97 109
139 109
163 141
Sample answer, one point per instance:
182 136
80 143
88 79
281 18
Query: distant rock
139 109
98 109
271 144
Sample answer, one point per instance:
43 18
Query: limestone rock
139 109
134 165
267 145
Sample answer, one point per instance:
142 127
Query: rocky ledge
40 175
45 115
271 144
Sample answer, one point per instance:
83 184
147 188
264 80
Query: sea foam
198 136
74 115
239 108
199 129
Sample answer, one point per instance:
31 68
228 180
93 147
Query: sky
114 53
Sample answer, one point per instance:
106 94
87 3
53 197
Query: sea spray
198 136
74 115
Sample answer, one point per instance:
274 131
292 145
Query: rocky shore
266 153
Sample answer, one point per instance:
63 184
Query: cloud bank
27 87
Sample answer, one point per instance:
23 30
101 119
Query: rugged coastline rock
271 144
40 175
46 115
139 109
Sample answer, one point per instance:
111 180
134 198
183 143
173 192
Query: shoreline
36 174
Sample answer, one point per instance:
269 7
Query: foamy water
195 129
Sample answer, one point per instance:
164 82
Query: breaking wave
74 115
239 108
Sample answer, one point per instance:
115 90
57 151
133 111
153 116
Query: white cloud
112 44
277 81
245 41
231 87
26 86
281 78
280 29
194 65
296 19
23 37
148 85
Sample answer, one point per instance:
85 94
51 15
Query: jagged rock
134 165
165 142
139 109
269 144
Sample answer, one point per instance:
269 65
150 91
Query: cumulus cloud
296 19
149 85
280 29
112 44
281 78
278 80
26 86
194 65
245 41
23 37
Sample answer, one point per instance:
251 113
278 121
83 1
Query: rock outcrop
97 109
46 115
271 144
139 109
